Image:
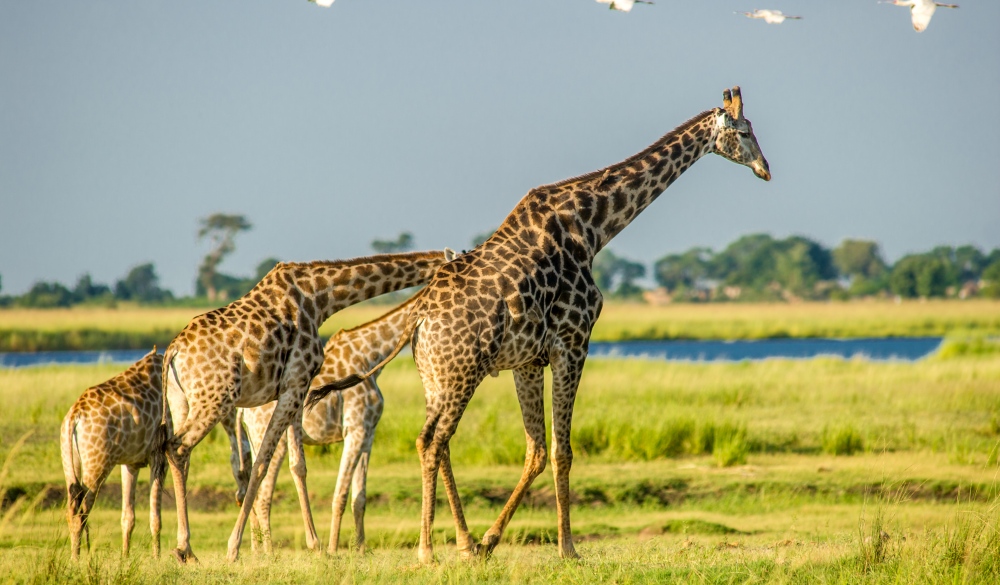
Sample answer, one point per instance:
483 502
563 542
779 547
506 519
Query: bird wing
921 15
324 3
623 5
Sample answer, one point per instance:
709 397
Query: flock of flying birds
921 11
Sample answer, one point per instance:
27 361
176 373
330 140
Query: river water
879 349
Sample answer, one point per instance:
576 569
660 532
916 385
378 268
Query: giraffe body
350 416
117 422
526 298
260 348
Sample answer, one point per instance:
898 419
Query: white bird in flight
623 5
770 16
323 3
921 11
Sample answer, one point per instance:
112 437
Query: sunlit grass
773 471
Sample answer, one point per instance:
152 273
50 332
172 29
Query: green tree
859 259
616 276
221 229
141 284
991 279
46 295
919 275
402 243
800 264
933 278
970 262
85 290
682 271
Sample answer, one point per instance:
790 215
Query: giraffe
349 416
526 299
263 347
117 422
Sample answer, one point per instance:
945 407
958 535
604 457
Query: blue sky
122 124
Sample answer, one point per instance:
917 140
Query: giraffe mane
352 261
593 175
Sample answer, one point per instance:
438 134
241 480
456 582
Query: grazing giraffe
526 298
349 416
263 347
117 422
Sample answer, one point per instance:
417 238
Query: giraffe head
734 137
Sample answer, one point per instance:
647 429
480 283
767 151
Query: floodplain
826 470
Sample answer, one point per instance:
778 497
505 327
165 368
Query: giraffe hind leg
75 493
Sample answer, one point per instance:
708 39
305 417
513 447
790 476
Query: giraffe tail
322 392
72 465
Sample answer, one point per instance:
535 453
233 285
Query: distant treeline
753 268
761 268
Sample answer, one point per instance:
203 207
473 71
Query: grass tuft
843 439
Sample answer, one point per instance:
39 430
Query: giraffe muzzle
761 169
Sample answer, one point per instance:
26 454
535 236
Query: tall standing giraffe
263 347
526 298
349 416
117 422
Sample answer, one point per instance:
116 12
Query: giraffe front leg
261 518
429 461
289 405
129 477
565 381
359 499
530 384
297 464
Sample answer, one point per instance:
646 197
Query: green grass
130 327
823 470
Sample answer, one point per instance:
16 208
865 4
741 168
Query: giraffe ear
727 101
736 110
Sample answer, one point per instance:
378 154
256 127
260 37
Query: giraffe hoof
184 557
490 542
470 553
426 557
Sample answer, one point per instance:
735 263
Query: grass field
823 470
129 327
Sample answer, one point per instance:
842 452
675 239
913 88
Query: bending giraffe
349 416
117 422
263 347
526 298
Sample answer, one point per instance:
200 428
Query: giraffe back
116 422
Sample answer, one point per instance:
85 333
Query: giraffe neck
376 339
622 191
595 207
317 290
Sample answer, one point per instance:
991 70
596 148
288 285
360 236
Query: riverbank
90 328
